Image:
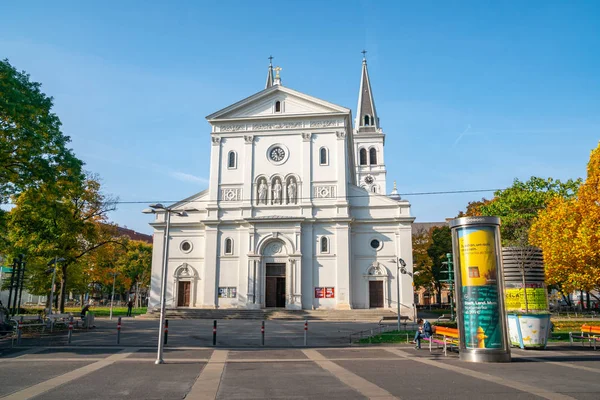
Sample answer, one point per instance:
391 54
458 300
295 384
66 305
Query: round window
186 247
375 244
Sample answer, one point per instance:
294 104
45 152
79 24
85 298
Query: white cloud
461 135
184 177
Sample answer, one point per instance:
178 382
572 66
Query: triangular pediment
262 105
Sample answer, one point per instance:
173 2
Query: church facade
296 214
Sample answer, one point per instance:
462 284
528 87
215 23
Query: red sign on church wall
324 293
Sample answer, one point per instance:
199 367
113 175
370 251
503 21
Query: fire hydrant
480 338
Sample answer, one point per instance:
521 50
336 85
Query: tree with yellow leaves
568 231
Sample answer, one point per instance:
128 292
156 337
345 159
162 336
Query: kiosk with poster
480 290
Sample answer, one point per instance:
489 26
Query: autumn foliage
568 231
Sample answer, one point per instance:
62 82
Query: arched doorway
184 286
377 291
274 258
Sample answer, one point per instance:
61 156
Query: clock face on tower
277 154
368 179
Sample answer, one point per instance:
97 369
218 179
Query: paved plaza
94 367
398 372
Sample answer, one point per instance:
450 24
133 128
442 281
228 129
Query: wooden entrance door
275 285
183 294
375 294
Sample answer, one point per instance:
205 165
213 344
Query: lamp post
159 208
112 299
55 261
401 271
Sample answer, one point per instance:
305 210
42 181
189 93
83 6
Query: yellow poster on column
478 259
479 289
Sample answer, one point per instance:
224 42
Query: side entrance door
183 294
275 285
376 294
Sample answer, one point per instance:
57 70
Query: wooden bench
448 338
589 333
63 319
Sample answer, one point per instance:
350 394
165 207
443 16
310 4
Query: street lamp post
112 299
401 271
155 208
55 262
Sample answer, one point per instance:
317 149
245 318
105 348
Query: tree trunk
63 288
525 291
581 300
48 302
566 299
587 300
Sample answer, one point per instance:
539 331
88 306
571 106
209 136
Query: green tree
473 208
441 244
33 150
421 240
66 220
518 205
137 266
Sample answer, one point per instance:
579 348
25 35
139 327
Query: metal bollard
215 332
262 334
19 328
306 331
119 330
70 330
166 330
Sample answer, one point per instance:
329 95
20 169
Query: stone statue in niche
277 192
262 192
291 191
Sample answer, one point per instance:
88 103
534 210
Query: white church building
296 214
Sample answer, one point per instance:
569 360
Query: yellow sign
537 299
478 258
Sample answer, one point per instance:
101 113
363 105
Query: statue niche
261 191
292 190
277 189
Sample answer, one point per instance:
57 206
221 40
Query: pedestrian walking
129 307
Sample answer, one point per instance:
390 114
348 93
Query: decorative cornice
279 125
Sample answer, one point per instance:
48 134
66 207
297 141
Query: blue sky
471 94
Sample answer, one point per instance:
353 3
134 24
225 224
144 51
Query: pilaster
248 187
211 265
342 236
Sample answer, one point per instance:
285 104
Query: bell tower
369 139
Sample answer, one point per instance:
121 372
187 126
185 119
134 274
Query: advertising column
479 289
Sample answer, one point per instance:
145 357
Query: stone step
274 314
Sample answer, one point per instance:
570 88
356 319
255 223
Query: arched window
367 120
363 157
231 160
374 189
324 244
323 156
228 246
277 106
373 156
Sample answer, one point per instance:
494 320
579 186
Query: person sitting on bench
424 331
84 311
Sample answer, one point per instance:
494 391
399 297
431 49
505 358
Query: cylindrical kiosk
480 289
